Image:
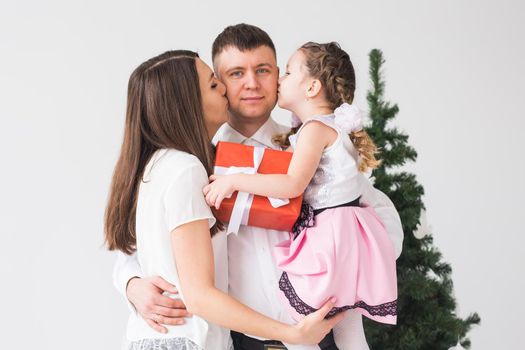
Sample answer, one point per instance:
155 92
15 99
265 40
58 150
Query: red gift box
237 158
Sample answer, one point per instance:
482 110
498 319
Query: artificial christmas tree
426 306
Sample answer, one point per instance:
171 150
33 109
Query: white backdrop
455 69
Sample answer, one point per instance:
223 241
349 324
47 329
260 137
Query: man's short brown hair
241 36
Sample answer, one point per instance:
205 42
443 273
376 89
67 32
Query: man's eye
236 74
262 70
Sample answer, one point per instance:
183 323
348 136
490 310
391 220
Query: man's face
251 79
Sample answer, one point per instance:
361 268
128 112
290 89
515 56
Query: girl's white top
337 179
171 195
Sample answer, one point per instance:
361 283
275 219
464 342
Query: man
244 59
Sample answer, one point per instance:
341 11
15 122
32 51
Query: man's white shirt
252 272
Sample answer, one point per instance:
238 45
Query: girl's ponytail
367 150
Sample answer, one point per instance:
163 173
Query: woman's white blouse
170 195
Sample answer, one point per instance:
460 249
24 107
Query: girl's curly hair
333 67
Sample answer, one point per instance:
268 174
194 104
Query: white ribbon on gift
243 202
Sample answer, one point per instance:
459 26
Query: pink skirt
347 255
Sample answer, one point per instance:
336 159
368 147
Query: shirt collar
263 135
229 134
266 132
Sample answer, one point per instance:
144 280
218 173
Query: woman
175 106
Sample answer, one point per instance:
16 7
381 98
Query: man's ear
216 64
216 71
314 88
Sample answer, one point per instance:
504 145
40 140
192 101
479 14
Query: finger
325 309
218 201
172 321
168 302
161 320
161 283
208 196
208 199
169 312
206 189
156 326
213 198
213 177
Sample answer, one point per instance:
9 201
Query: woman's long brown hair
164 110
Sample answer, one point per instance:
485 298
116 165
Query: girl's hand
314 327
220 187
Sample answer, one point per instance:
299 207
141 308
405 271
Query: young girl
341 249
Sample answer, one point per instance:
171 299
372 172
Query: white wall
455 69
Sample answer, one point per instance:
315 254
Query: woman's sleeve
126 267
184 201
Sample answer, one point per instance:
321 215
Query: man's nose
251 81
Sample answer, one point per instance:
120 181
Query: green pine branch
426 306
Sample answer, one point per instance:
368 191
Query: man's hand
220 187
155 308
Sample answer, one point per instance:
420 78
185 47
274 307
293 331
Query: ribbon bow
348 118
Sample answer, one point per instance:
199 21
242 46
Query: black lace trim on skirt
302 308
306 219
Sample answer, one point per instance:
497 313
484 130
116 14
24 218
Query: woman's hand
220 187
314 327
